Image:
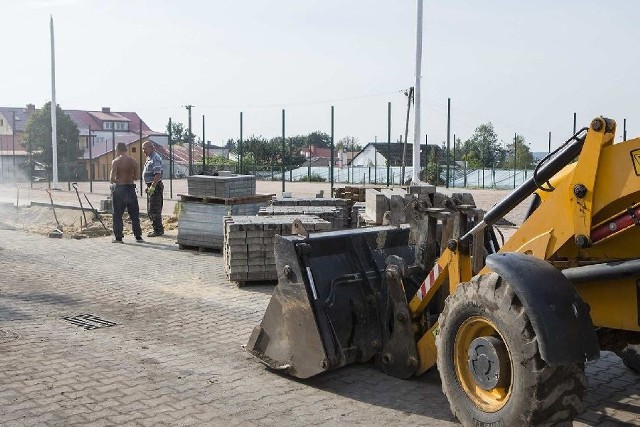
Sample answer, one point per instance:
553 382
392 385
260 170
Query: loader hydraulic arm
565 154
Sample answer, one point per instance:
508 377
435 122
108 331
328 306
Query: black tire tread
556 394
630 355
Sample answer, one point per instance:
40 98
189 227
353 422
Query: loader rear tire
506 383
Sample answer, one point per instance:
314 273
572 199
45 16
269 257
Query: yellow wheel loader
509 328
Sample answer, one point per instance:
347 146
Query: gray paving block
257 246
232 186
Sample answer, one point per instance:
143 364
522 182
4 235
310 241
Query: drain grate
89 321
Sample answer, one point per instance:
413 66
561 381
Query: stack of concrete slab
341 204
378 202
200 223
224 186
329 213
248 244
210 199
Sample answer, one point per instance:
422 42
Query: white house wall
160 139
367 157
5 126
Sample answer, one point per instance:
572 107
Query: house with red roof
13 121
99 132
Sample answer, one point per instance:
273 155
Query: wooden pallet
243 283
226 202
199 248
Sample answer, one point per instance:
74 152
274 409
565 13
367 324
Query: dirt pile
42 220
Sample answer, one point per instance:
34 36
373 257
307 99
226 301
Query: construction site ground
164 336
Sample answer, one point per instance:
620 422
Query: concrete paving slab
174 355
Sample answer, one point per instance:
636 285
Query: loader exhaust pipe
556 161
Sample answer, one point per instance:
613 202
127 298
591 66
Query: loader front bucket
331 306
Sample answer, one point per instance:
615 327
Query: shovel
75 187
95 212
59 229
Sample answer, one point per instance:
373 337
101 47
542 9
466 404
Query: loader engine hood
327 309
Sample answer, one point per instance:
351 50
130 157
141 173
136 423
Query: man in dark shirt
153 179
124 171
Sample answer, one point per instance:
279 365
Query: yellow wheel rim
491 400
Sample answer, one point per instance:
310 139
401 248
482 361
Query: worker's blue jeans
125 197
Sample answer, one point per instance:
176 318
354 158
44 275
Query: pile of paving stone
225 185
329 213
210 199
248 244
200 223
341 204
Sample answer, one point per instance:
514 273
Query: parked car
179 174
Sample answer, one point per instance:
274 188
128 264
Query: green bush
314 177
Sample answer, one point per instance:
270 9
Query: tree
431 172
319 139
180 134
294 146
348 143
257 149
523 156
482 149
38 138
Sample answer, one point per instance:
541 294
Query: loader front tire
630 355
490 364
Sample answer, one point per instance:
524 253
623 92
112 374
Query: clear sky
524 65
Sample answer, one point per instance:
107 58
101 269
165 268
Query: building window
1 122
121 125
133 149
107 125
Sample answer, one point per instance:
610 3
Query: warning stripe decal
428 282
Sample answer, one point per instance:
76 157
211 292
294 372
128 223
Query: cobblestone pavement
175 355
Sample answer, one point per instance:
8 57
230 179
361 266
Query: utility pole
309 161
375 159
549 142
189 107
388 141
291 157
240 148
113 140
515 157
575 115
283 148
13 141
90 140
140 165
1 162
484 149
448 136
170 162
333 158
453 181
203 146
